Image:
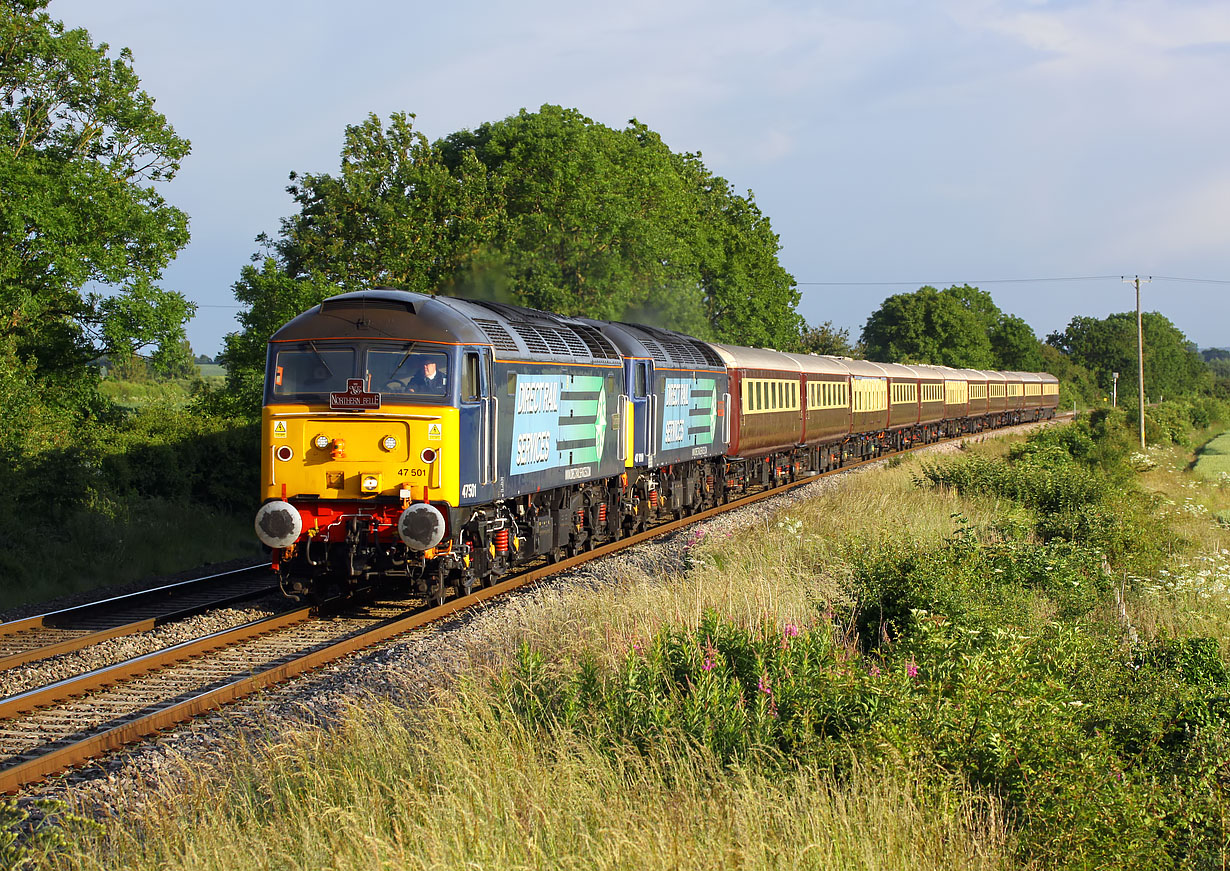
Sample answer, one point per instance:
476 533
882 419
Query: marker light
285 453
321 441
428 456
370 483
389 442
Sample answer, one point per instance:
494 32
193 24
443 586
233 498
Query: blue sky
895 141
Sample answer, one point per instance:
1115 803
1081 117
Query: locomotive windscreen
310 371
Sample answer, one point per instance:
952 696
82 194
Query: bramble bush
1078 486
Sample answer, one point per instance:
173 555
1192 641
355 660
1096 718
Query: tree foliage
959 326
547 209
81 149
1173 366
827 339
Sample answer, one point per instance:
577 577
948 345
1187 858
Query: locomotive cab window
408 371
311 369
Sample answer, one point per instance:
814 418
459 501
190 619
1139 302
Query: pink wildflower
911 669
763 684
874 671
791 631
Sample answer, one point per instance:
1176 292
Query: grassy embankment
1011 658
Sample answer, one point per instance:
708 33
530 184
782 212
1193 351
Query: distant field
208 369
1213 460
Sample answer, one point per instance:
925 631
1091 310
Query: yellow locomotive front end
360 451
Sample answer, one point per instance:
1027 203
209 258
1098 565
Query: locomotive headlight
321 441
369 483
389 442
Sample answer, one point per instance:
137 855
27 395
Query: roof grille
676 349
543 333
599 346
655 350
533 340
499 336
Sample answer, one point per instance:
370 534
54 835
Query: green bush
1107 759
1077 485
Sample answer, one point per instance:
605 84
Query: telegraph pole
1140 354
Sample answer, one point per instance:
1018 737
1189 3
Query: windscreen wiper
321 358
409 351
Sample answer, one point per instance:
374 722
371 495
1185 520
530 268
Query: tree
959 326
826 339
81 149
927 326
1015 346
395 216
1173 366
546 209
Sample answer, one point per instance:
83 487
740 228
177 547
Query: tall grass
470 790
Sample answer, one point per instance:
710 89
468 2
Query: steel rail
31 770
61 623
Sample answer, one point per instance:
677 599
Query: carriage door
642 412
478 427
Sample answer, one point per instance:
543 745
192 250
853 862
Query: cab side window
469 379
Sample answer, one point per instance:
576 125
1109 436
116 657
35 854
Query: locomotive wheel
439 593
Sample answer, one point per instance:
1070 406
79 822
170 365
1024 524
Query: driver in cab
427 379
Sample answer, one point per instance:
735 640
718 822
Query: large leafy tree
1173 366
546 209
84 235
928 326
959 326
613 224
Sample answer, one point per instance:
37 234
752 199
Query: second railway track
70 629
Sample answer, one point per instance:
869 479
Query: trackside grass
1012 657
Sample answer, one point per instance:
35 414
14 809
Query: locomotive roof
667 348
381 314
514 332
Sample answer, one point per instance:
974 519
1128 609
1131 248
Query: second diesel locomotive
440 441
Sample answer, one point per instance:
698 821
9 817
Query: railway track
70 629
62 725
